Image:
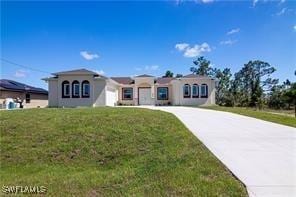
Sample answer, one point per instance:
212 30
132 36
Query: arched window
204 91
195 91
75 89
85 89
65 89
186 91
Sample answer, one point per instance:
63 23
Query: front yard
108 151
279 117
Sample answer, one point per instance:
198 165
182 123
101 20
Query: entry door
145 96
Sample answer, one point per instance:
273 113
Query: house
31 96
87 88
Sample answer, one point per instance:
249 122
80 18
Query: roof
77 71
164 80
123 80
196 76
145 75
6 84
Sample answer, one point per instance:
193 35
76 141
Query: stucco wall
37 100
97 92
178 98
126 102
53 93
170 96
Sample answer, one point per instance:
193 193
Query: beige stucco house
87 88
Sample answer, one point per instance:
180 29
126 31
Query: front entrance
145 96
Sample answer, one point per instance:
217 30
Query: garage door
145 96
111 97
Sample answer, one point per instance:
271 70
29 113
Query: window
85 89
127 93
75 89
162 93
65 89
195 91
204 91
28 98
186 91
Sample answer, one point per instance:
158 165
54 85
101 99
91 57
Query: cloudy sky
130 38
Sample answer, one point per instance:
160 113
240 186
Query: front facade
86 88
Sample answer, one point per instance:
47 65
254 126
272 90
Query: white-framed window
127 93
195 91
162 93
65 89
186 91
75 89
85 89
204 91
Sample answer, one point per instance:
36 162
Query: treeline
252 86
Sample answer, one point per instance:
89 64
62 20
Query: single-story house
87 88
31 96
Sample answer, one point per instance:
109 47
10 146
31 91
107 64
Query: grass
270 116
109 152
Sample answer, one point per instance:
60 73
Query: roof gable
76 72
145 75
123 80
164 80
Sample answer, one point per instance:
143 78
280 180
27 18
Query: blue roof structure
10 85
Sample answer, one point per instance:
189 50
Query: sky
132 38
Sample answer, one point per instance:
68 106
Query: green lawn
109 152
269 115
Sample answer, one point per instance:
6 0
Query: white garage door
145 96
111 97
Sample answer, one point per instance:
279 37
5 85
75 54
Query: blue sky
130 38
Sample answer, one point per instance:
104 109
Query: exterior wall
170 96
37 100
97 91
53 93
178 98
127 102
143 82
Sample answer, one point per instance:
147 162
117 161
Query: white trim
83 88
74 89
64 87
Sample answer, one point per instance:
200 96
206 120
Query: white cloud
294 27
194 51
151 68
100 72
283 11
181 46
148 68
282 1
233 31
207 1
88 56
21 73
255 2
228 42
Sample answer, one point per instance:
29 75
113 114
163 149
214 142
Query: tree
290 94
168 74
202 67
223 95
252 81
179 75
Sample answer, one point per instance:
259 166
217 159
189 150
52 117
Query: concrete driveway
261 154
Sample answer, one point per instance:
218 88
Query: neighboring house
31 96
87 88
